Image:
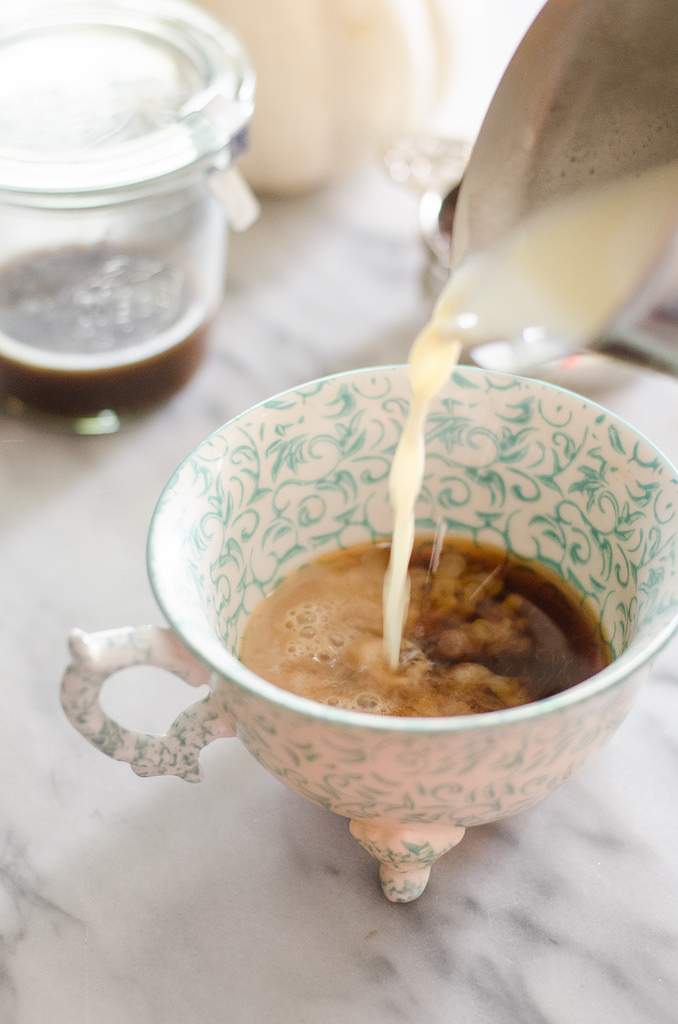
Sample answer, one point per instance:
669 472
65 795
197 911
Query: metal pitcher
590 96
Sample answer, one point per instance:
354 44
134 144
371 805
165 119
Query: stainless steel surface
590 96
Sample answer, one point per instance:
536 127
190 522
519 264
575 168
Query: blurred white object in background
487 34
335 78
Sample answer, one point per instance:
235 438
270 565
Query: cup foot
405 854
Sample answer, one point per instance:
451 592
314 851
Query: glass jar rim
170 89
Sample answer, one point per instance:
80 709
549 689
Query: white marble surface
150 901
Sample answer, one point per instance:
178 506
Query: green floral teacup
543 472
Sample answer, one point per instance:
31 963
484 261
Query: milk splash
560 275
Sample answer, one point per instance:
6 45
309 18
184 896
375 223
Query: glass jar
117 189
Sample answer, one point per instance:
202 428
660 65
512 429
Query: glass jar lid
111 94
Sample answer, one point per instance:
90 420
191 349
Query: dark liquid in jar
88 328
483 632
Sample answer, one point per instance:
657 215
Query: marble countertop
149 901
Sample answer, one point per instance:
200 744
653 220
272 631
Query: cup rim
207 648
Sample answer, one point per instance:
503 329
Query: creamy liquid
562 273
483 632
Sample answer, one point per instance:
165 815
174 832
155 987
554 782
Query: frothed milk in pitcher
559 275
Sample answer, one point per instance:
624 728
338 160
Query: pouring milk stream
560 274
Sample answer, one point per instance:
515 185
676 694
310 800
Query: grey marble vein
146 901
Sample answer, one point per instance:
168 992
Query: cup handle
96 656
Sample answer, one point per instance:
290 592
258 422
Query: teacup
518 463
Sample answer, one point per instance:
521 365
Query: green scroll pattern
543 472
510 462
